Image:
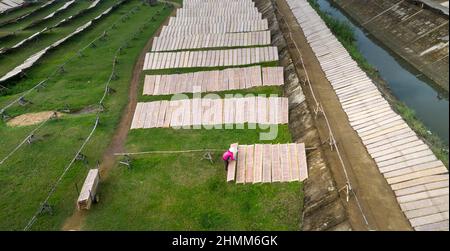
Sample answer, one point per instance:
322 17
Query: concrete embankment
418 35
404 160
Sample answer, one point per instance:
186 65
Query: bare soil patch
30 118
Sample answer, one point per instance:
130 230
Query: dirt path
377 199
75 222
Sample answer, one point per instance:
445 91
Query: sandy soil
30 118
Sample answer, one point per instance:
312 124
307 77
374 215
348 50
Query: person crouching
228 156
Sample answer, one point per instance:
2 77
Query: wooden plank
420 181
155 113
207 112
294 165
231 172
137 114
149 84
266 77
279 76
162 113
258 167
423 195
267 163
262 106
155 62
426 211
162 85
147 56
388 147
429 219
240 110
215 80
422 188
402 158
439 226
233 82
285 110
168 116
241 78
241 164
225 80
177 113
419 174
218 112
303 165
251 110
88 190
229 110
285 163
249 165
414 205
197 112
273 110
187 117
409 170
276 165
142 115
157 85
148 114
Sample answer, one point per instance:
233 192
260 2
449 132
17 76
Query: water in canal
430 107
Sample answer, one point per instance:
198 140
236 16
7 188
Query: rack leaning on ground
46 29
44 204
60 69
331 139
29 62
28 14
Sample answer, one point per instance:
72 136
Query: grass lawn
160 192
183 192
28 175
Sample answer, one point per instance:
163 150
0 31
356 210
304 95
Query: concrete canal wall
416 33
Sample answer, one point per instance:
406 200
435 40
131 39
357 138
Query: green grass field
28 175
160 192
183 192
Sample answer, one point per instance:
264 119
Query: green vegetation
344 33
17 13
12 59
436 144
17 26
162 192
183 192
28 175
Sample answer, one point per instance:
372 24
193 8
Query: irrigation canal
430 104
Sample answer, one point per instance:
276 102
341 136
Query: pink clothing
227 155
